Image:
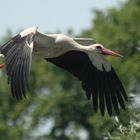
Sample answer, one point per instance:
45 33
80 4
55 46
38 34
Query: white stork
82 57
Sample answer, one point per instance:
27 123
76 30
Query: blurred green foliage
56 107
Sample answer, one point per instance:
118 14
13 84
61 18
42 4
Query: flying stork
82 57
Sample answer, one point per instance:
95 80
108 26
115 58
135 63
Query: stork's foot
2 65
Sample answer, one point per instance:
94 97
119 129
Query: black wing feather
107 95
97 84
119 96
101 94
120 86
18 53
113 95
94 85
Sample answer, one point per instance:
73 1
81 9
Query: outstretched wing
18 53
103 87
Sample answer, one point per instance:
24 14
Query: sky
50 15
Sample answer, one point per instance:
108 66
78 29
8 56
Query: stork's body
51 46
55 45
84 58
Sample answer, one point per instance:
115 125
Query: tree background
56 107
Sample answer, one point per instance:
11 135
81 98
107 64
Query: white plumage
82 57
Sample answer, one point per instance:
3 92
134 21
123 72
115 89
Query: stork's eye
99 47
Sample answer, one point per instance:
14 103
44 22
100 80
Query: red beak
109 52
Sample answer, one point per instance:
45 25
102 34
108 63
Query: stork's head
96 53
98 48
